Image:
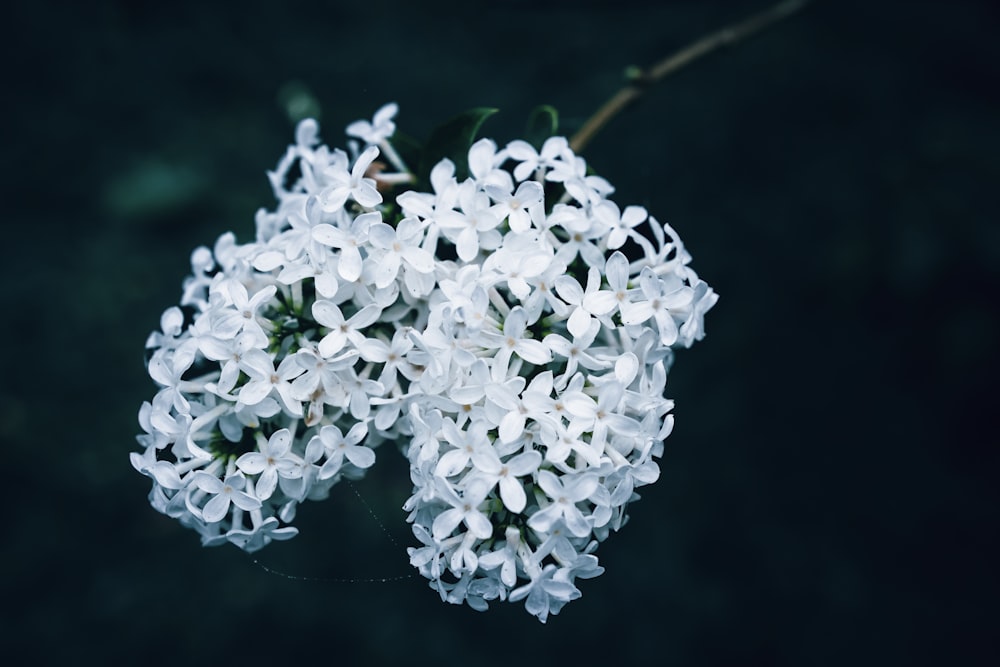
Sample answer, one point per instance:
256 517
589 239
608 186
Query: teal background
829 495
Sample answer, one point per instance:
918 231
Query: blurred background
829 495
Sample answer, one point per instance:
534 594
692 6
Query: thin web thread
331 580
372 514
338 580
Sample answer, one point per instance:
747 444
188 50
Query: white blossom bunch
510 330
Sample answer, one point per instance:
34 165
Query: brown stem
644 78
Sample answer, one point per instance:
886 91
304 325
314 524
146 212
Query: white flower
553 150
660 303
349 241
354 185
167 368
576 351
702 300
463 509
534 402
223 493
322 383
228 351
520 259
171 326
515 207
513 341
562 440
572 173
506 474
181 430
484 163
342 330
564 497
433 207
358 390
297 488
469 445
244 316
582 231
605 302
621 224
163 473
425 444
392 356
474 228
545 593
261 535
274 459
379 129
601 416
428 557
504 558
396 246
569 290
337 447
264 379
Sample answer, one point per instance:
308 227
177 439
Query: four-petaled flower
339 446
342 329
463 508
223 492
379 129
516 207
354 185
564 496
512 340
274 459
394 247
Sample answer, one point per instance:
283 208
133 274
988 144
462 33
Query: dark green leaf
408 148
452 140
543 122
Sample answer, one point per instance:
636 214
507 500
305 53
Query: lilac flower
519 367
349 241
545 593
223 493
564 497
394 247
619 223
379 129
342 330
354 185
506 474
515 207
275 459
463 509
553 150
265 379
513 341
660 303
338 447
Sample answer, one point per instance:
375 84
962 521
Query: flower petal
216 508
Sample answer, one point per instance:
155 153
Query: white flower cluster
511 331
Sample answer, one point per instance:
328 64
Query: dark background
829 495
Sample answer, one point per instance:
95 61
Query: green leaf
408 148
543 122
452 140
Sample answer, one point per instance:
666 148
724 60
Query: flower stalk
641 79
